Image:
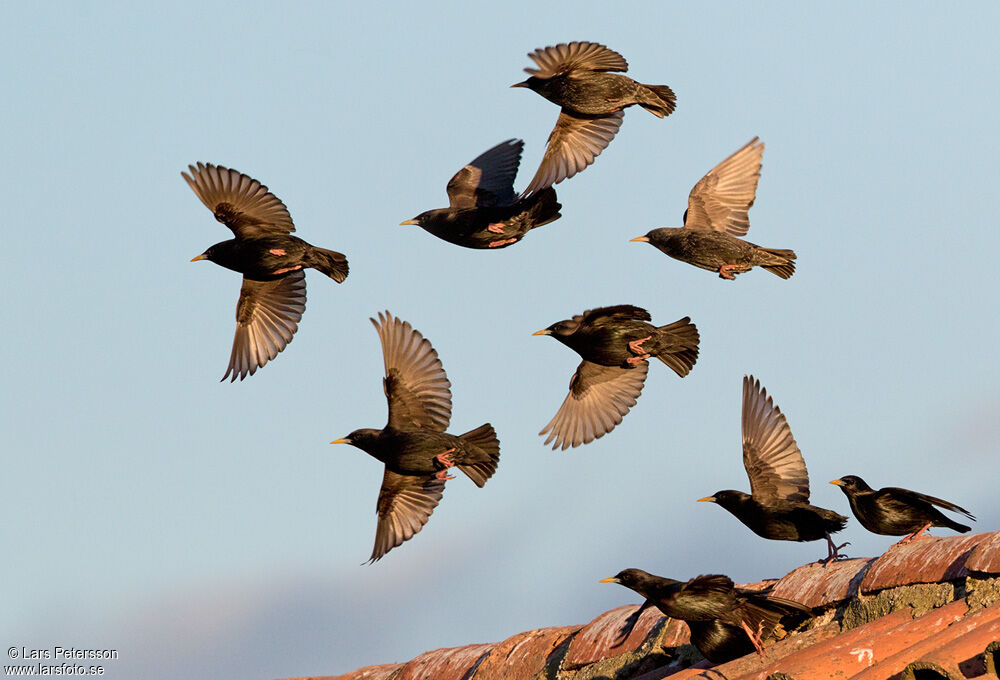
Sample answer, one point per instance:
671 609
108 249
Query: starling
416 450
271 260
615 343
892 511
778 504
577 77
716 215
483 210
726 622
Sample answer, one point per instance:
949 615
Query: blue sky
209 530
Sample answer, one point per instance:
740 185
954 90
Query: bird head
851 484
362 439
212 254
532 83
654 236
630 578
727 499
560 329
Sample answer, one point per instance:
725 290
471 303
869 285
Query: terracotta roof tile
455 663
815 585
380 672
524 655
993 658
597 639
925 560
986 556
959 645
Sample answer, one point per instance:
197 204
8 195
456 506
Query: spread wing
575 142
599 396
240 202
415 383
563 58
405 503
770 455
721 199
267 316
617 313
488 180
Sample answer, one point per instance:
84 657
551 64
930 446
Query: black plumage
273 296
777 506
717 215
892 511
578 77
483 211
416 450
615 343
726 622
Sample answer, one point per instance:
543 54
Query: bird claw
915 535
496 227
504 242
636 345
635 360
444 476
446 459
727 271
756 638
287 269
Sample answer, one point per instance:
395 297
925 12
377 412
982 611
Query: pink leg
755 638
636 345
287 269
635 360
496 227
726 271
445 459
444 476
914 535
277 251
497 244
834 551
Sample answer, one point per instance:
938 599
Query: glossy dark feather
578 77
273 295
414 446
892 511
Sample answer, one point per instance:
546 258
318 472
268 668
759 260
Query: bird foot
635 360
755 637
504 242
834 551
285 270
445 458
727 271
277 251
496 227
444 476
636 345
915 535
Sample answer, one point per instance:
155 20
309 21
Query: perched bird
778 504
615 343
577 77
416 450
726 622
716 215
483 210
892 511
273 295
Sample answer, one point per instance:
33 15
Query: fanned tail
330 262
661 102
546 208
677 345
483 438
783 269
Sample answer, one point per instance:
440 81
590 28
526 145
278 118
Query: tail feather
783 269
330 262
662 102
955 526
483 438
546 208
677 345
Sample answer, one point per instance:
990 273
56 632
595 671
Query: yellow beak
523 83
610 579
837 482
408 222
203 256
342 440
639 238
707 499
543 332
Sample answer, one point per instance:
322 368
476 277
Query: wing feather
574 143
267 316
405 503
566 57
721 200
771 457
240 202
